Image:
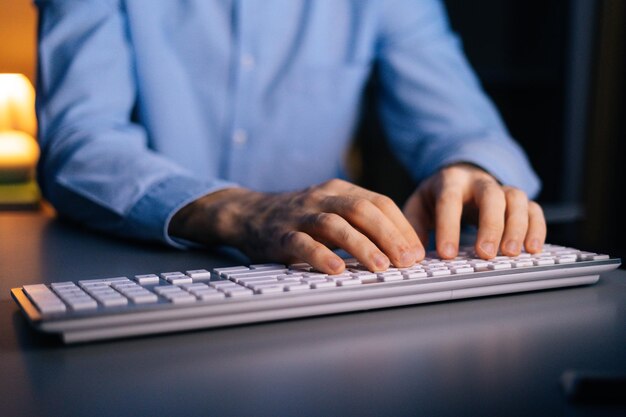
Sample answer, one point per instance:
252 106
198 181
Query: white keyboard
96 309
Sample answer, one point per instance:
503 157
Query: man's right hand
304 226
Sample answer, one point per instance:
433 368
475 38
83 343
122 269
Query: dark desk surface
490 356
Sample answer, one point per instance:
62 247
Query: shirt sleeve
432 105
96 166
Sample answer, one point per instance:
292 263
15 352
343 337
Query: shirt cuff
151 215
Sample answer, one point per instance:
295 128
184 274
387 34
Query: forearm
97 166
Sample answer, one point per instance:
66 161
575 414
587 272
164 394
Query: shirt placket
244 64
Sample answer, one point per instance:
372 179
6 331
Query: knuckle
325 220
515 195
359 207
384 202
333 183
453 171
488 184
344 235
314 196
291 238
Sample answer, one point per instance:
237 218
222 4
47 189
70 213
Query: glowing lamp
17 104
18 156
18 149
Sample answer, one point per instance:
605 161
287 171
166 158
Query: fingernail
407 258
512 246
488 248
534 245
448 250
335 264
381 261
419 254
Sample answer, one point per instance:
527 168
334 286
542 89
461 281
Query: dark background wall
555 70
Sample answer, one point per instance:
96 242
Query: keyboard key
144 298
466 269
179 279
349 282
567 259
322 284
254 273
223 284
210 296
116 280
438 272
269 289
66 284
163 289
414 274
267 267
169 274
297 287
222 271
113 301
199 275
184 298
390 277
147 279
499 265
341 277
314 280
82 304
543 261
238 292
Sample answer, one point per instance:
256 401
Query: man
225 122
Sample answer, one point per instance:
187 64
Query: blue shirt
146 105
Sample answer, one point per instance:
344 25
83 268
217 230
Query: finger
491 210
332 228
536 235
301 246
393 212
373 223
448 210
417 212
395 215
516 221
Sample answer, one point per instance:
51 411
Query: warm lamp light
17 104
18 149
18 156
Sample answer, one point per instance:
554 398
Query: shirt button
240 137
247 61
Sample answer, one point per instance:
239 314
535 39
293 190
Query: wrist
212 219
